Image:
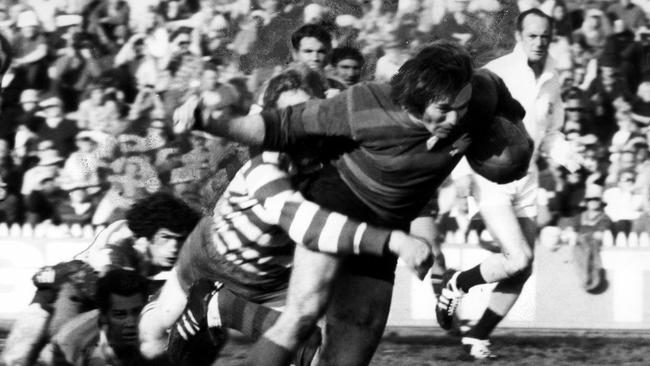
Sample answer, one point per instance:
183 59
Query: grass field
414 347
421 347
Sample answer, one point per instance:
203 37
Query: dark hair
299 77
346 53
160 210
119 282
311 31
438 71
533 11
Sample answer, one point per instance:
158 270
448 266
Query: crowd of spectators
87 107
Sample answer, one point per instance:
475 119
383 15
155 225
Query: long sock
470 278
253 320
245 316
267 353
484 327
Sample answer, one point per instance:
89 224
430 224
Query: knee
519 263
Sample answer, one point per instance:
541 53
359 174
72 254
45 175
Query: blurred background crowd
86 122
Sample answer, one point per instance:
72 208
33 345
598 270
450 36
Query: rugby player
510 210
158 225
248 246
407 137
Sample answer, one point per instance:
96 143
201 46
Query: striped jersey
391 169
261 216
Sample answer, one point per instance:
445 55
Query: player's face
122 319
164 247
349 71
445 113
311 52
535 37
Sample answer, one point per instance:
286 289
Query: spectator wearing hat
42 201
49 164
589 40
30 52
83 165
79 207
66 26
589 226
10 181
624 202
56 128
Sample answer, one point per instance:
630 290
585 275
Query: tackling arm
159 315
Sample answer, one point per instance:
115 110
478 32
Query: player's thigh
311 281
500 207
356 319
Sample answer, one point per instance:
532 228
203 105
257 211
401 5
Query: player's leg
308 295
500 217
502 299
507 291
355 320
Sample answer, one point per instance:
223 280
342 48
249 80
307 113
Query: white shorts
520 194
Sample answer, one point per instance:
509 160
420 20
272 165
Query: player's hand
567 154
415 252
184 115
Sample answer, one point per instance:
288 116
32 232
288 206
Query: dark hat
641 113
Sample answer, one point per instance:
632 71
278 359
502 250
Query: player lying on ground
158 225
406 137
248 246
108 336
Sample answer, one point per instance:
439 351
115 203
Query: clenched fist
415 252
184 115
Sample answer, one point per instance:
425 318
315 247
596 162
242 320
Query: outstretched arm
273 129
322 230
159 315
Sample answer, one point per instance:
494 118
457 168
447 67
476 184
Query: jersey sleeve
316 118
305 222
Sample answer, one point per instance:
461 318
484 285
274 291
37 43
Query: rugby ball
501 151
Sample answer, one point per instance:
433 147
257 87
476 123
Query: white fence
49 231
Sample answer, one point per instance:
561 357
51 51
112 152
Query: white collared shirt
540 97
